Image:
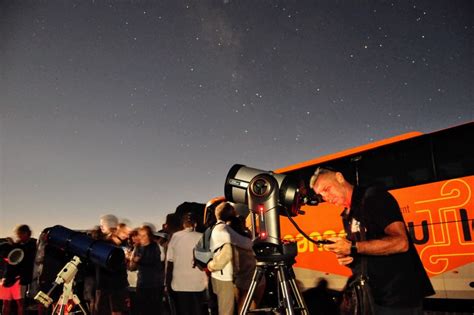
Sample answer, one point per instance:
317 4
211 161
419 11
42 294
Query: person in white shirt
222 275
187 283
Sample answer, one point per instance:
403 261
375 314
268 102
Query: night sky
133 107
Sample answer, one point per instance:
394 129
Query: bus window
454 152
374 168
343 165
407 163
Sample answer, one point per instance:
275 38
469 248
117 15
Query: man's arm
221 259
395 241
169 263
169 275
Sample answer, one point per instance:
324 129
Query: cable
318 242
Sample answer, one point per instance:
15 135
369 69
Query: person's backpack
202 251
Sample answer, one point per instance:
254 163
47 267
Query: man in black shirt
396 275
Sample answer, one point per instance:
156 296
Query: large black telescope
268 195
98 252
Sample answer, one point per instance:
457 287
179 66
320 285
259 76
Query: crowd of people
157 276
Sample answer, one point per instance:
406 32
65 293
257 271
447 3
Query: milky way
132 107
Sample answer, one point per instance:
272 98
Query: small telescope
10 253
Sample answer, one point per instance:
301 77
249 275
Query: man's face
22 236
331 189
136 240
123 232
143 237
104 227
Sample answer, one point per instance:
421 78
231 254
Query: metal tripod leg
285 290
61 306
299 298
257 276
77 302
289 298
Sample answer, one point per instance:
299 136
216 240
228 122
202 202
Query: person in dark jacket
147 260
10 288
28 245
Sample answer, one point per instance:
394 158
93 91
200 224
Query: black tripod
290 300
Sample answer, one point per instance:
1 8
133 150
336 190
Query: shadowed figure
321 300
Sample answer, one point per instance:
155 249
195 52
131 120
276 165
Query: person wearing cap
187 282
161 238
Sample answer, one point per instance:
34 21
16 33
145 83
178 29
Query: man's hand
209 267
340 247
344 260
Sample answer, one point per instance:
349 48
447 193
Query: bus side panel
439 217
319 222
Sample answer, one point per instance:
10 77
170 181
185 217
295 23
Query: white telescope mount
65 277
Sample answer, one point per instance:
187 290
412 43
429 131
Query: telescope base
290 300
63 306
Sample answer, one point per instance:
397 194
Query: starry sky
133 107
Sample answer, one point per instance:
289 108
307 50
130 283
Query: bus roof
348 152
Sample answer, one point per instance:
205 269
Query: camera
10 253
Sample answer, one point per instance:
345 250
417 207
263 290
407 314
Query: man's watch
354 248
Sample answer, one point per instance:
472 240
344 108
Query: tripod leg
55 307
285 289
77 302
62 309
298 296
257 276
61 305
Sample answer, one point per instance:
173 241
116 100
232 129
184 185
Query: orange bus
431 176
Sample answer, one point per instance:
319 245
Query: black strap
363 214
208 237
365 298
